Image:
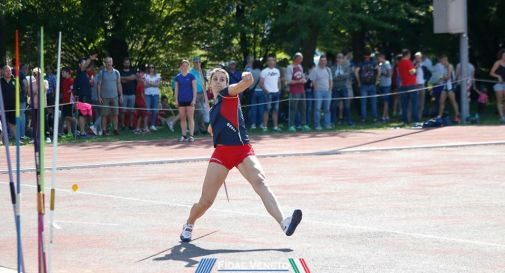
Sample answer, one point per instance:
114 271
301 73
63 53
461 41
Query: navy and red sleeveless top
227 121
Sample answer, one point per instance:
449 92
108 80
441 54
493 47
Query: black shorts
10 116
85 99
184 104
66 110
51 100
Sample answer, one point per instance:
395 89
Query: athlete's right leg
216 174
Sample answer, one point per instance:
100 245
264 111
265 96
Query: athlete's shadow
186 252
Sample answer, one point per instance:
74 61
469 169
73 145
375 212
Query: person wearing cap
202 102
235 75
367 75
82 89
407 73
296 82
420 81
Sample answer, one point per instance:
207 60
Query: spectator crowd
103 100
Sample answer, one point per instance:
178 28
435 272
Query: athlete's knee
205 203
259 180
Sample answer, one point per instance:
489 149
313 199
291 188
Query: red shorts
231 156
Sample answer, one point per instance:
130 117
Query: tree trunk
358 44
243 42
3 42
309 48
117 48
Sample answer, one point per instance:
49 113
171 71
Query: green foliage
164 31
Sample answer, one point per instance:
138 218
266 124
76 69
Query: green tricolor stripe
293 264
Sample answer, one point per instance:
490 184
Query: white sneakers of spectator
170 126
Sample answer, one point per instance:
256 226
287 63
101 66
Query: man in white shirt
322 81
420 81
270 82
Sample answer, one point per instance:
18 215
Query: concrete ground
373 201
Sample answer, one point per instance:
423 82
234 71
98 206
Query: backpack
433 123
367 73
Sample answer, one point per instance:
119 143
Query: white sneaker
48 140
290 223
93 128
170 126
253 127
153 128
187 229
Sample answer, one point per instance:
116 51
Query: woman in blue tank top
232 149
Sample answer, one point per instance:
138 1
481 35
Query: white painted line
342 150
87 223
315 222
7 270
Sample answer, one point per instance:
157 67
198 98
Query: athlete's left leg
251 169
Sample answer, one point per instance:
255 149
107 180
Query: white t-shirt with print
271 79
151 79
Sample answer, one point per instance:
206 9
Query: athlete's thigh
251 169
214 178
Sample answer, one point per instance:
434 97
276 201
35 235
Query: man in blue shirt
51 95
202 102
235 75
82 89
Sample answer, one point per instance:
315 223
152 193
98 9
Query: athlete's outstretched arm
243 85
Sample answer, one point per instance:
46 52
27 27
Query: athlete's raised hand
247 80
247 77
